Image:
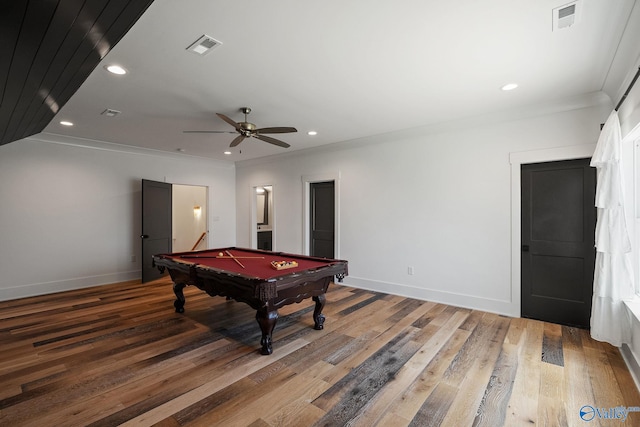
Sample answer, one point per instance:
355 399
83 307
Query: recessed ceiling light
66 123
312 132
510 86
115 69
227 153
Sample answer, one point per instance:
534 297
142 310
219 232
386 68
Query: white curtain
613 277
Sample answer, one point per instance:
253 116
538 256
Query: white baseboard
503 307
66 285
632 363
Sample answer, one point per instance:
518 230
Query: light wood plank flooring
119 355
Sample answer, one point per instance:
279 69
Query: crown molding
53 138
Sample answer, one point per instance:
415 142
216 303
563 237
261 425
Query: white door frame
517 160
307 180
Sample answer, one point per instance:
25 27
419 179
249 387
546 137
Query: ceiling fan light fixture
249 130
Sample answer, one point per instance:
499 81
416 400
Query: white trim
272 220
517 159
451 298
92 144
307 180
633 137
635 220
632 364
36 289
253 226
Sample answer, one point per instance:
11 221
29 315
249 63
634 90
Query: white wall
70 215
439 202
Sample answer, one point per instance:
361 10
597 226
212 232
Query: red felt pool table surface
256 263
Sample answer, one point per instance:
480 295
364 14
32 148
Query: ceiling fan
246 130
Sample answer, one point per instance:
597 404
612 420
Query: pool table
254 277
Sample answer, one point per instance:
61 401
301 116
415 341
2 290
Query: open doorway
262 217
174 218
189 218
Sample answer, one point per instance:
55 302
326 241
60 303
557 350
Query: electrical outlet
410 271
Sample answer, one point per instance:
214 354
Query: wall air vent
203 45
566 15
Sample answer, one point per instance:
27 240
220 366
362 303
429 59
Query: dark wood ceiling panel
23 54
76 42
43 50
13 13
48 50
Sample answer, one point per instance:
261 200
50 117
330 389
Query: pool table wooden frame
265 295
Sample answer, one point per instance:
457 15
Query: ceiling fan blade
237 140
228 120
276 130
272 140
207 131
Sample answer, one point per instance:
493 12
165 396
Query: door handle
144 236
525 248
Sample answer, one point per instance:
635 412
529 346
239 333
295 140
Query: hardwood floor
118 354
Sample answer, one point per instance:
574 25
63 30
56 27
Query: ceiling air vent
110 113
203 45
567 15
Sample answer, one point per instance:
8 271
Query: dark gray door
322 219
558 255
156 225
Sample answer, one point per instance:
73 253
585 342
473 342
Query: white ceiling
346 69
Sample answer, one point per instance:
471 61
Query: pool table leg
318 317
179 302
267 320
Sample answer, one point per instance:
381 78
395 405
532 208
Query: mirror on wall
264 217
